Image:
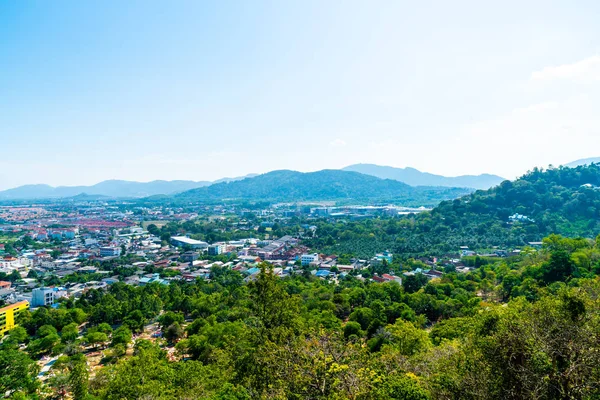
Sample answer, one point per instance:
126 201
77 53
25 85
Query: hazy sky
143 90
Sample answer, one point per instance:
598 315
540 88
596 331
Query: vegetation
315 186
524 327
558 200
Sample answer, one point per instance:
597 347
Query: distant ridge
285 185
583 161
415 177
109 188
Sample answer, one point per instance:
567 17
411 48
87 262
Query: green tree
69 333
78 380
18 372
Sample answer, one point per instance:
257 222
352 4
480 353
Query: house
432 273
392 278
151 279
345 268
111 281
322 273
252 271
380 258
87 270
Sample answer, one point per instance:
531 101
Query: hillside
562 200
415 177
321 185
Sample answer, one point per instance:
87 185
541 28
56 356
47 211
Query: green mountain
560 200
414 177
318 186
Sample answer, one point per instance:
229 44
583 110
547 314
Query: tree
174 332
19 372
153 230
78 380
18 335
413 283
96 338
352 329
273 308
70 333
169 318
559 267
121 336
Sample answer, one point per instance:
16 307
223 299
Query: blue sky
200 90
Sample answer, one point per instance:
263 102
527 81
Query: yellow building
9 314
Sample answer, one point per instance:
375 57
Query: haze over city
200 91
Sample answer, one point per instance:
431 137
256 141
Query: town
61 251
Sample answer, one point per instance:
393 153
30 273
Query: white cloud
586 70
338 143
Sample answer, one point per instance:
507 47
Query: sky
201 90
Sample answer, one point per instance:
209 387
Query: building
307 259
56 235
380 258
181 241
110 251
41 297
215 249
151 279
9 264
191 256
9 314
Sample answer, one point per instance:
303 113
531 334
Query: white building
307 259
41 297
110 251
181 241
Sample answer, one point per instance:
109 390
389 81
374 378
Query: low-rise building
41 297
110 251
9 315
181 241
215 249
307 259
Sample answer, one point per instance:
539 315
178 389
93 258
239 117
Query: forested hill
321 185
561 200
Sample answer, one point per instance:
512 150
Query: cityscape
293 200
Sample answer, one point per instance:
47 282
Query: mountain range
584 161
415 177
131 189
109 188
287 185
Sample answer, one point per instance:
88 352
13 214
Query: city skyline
140 91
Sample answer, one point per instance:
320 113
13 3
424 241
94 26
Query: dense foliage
558 200
518 328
